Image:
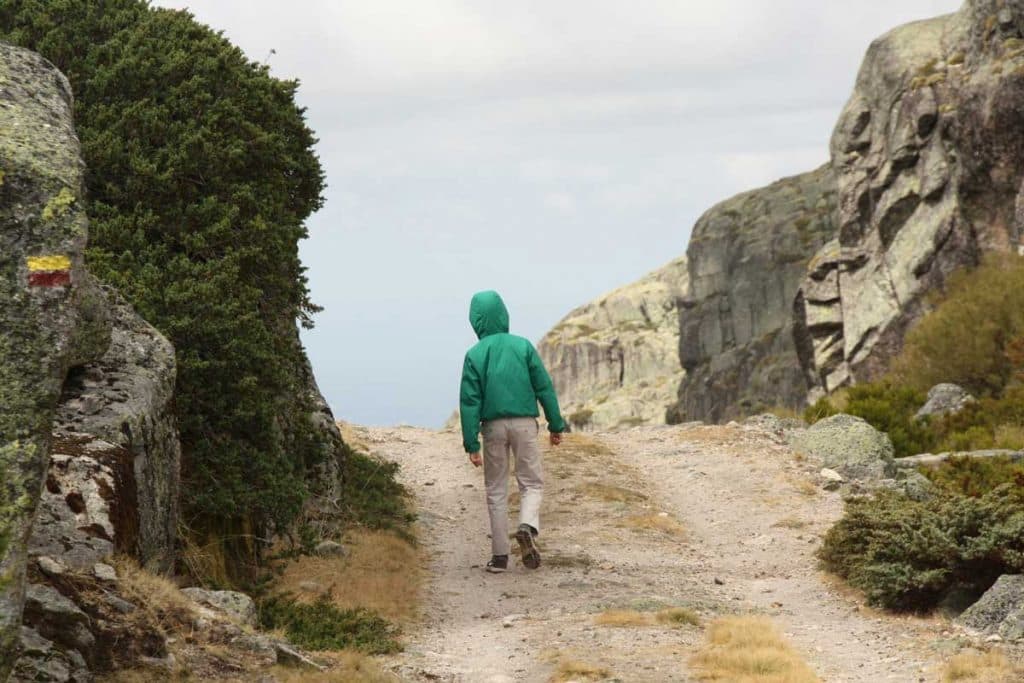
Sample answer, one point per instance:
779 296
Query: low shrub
969 338
886 407
322 626
975 477
907 555
373 498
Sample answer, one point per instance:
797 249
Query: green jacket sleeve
469 407
545 391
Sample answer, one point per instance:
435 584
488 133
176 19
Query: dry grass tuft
571 670
355 437
156 595
611 494
381 573
621 618
660 523
624 618
749 650
988 667
678 616
805 487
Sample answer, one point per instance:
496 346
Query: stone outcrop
614 362
849 446
126 398
51 312
944 399
1000 611
927 160
746 259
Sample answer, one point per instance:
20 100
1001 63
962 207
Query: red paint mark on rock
49 278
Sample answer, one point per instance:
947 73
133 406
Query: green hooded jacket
502 375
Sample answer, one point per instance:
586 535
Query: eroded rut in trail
717 520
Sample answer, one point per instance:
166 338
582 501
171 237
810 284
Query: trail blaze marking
49 271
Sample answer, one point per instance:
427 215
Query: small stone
994 638
330 549
311 587
104 572
122 606
50 567
719 582
289 656
511 619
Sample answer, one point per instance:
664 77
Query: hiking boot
498 564
531 556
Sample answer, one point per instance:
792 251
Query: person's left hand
476 459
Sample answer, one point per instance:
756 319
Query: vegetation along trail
651 537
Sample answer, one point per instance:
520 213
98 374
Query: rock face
944 399
927 160
1000 611
125 398
746 259
89 506
614 361
51 313
849 446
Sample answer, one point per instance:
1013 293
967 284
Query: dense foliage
970 337
322 626
909 555
201 173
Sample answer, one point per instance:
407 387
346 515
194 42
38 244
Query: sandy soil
751 519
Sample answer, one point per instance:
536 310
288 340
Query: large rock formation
927 158
126 398
746 259
614 361
51 313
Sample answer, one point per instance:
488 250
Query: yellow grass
345 667
381 573
624 618
571 670
988 667
155 594
805 487
654 522
749 650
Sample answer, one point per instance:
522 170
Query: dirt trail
751 520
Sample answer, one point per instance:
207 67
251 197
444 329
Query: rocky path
719 520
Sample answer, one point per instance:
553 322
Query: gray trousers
502 437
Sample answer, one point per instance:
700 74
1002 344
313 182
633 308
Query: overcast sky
550 149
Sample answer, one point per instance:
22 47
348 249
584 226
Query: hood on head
487 314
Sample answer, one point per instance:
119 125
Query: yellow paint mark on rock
54 262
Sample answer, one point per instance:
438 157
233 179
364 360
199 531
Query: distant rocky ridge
811 283
614 362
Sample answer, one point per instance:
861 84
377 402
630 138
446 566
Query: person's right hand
555 438
476 459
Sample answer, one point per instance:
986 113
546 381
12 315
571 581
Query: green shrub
886 407
322 626
992 422
967 338
975 477
373 498
907 555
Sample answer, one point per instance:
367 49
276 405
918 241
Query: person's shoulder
521 341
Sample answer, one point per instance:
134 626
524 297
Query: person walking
503 378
